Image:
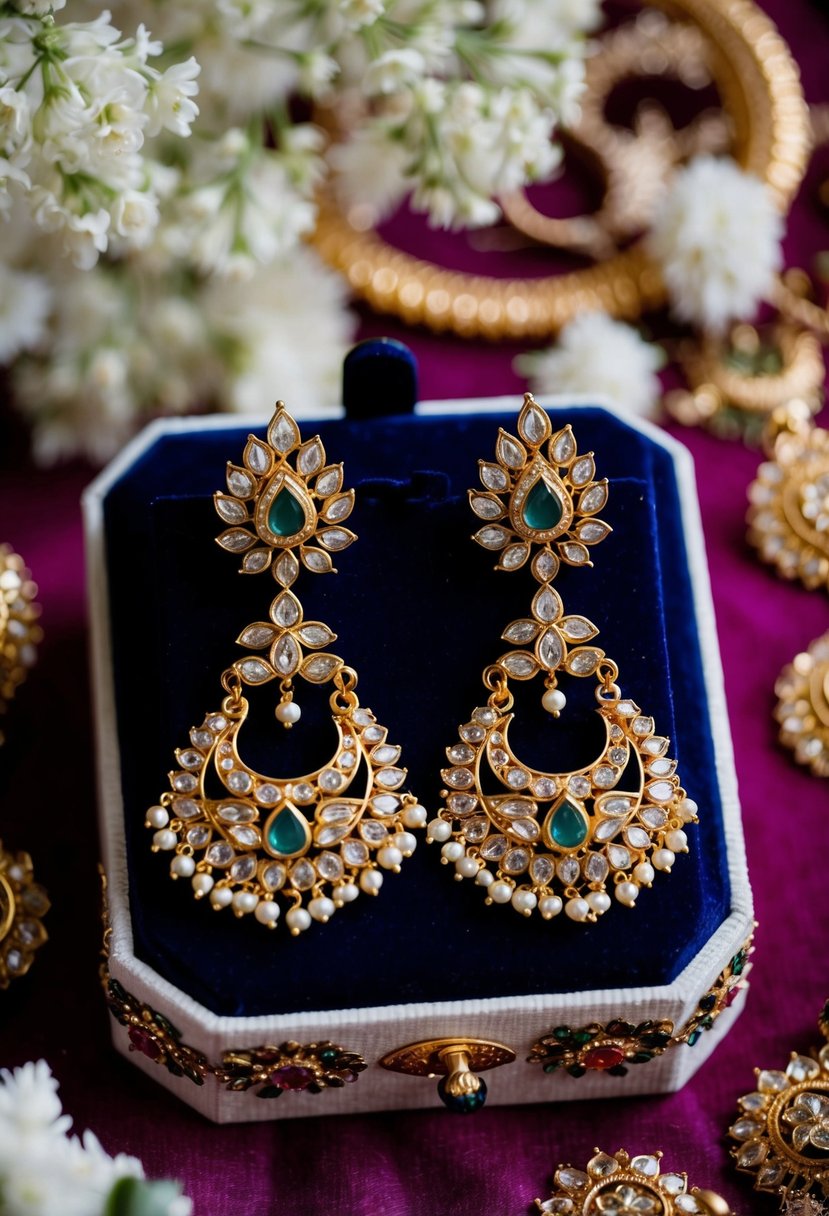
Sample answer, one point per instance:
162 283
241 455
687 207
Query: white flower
596 355
716 236
24 307
316 72
135 217
29 1103
38 8
393 71
169 103
359 13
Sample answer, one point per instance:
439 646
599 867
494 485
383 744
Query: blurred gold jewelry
621 1185
803 706
19 630
22 904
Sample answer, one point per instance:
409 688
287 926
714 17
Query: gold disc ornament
555 841
621 1185
312 842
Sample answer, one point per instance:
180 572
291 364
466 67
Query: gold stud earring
307 841
622 1184
555 841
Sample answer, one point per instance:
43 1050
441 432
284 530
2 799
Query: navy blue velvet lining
418 612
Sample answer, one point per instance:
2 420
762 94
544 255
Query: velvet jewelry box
229 1015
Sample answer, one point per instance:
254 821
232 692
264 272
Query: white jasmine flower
716 236
135 217
537 23
393 71
29 1103
38 8
360 13
169 99
316 72
24 306
595 354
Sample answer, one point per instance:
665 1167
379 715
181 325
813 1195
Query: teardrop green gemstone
287 832
286 515
542 509
569 827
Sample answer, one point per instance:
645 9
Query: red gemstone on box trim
292 1076
603 1057
141 1041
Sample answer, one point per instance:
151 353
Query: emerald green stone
286 515
287 832
542 508
568 828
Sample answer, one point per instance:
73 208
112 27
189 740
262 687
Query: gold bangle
759 83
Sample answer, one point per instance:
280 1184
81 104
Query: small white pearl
500 892
267 912
663 859
467 867
438 829
201 884
345 894
677 841
627 893
157 817
220 897
577 909
322 909
288 712
182 867
553 701
405 842
414 816
644 874
688 809
390 858
297 921
452 851
165 839
550 906
244 901
599 901
371 881
524 902
484 877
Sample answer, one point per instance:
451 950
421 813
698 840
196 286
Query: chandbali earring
554 841
308 840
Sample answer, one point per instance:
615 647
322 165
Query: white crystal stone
184 782
390 857
243 869
303 876
527 829
599 901
595 868
643 873
452 850
563 447
329 482
330 866
438 829
220 854
583 662
533 424
653 816
256 560
198 837
346 893
220 897
254 671
661 768
605 776
202 884
518 778
550 906
467 867
246 836
493 537
267 912
182 866
320 668
602 1166
283 432
577 909
164 840
615 806
493 477
335 539
330 835
515 556
520 631
660 791
593 499
547 605
618 856
663 859
303 793
607 830
371 881
500 892
386 804
244 901
231 511
637 838
157 817
414 816
579 786
672 1184
316 560
524 902
485 507
390 778
310 458
355 853
550 650
239 483
647 1165
519 664
677 841
582 471
544 787
330 780
627 893
239 781
286 655
509 451
322 909
191 759
298 920
257 456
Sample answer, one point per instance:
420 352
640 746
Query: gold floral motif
22 904
803 706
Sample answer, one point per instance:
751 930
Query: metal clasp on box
457 1061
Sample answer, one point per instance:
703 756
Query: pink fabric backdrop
427 1163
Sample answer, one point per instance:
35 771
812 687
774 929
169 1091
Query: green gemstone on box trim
286 516
542 508
568 827
287 832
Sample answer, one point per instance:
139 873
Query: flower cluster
44 1171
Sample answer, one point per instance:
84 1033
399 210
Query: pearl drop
345 893
550 906
500 892
371 881
390 857
553 701
663 859
297 921
644 874
157 817
288 711
452 851
627 893
438 829
524 902
201 884
688 809
599 901
405 842
267 912
577 909
244 901
484 877
467 867
414 816
322 909
165 839
182 867
220 897
677 841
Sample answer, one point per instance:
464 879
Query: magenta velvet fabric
424 1164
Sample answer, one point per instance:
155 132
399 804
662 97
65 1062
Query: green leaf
134 1197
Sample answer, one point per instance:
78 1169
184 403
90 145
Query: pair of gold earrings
547 841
